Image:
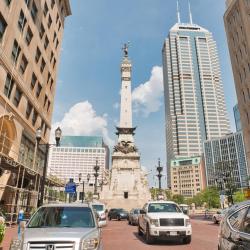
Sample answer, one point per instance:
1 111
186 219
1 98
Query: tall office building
31 33
236 21
225 161
194 99
78 155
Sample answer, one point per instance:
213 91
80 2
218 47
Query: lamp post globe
58 135
38 135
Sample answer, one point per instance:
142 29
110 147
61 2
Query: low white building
76 157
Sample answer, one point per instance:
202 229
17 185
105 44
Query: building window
23 64
3 26
49 76
57 18
54 37
29 36
34 117
33 81
45 100
46 42
52 4
8 2
51 56
33 11
42 66
9 83
46 9
28 110
17 98
45 130
21 21
38 54
49 22
51 84
54 63
48 106
42 31
59 27
15 51
38 90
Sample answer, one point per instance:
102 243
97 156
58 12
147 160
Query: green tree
239 196
180 199
211 196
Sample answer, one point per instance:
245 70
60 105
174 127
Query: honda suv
61 226
164 219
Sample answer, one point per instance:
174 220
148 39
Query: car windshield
121 210
163 208
62 217
136 211
98 207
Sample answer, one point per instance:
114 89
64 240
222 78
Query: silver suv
62 226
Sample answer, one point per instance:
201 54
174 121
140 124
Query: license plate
173 233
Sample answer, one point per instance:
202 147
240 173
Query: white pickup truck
164 219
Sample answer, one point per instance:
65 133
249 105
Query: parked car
234 232
164 219
218 216
184 208
101 211
117 213
133 216
61 226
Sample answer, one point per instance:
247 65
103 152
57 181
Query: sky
88 84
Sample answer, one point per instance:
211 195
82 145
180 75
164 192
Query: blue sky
88 81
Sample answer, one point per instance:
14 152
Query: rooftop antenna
190 13
178 12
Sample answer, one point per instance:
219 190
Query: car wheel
148 237
187 239
129 222
118 217
139 231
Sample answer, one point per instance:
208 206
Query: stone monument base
128 188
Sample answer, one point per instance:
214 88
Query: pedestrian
19 220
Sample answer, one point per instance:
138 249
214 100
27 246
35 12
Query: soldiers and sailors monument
127 186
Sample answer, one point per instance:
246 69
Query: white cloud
82 119
147 96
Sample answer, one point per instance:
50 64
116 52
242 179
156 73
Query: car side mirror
142 211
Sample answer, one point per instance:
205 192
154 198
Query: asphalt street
118 235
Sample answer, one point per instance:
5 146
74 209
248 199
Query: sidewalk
11 232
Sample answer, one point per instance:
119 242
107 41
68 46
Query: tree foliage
239 196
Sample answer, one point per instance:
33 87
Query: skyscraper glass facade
194 99
225 159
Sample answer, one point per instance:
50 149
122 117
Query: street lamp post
83 194
159 175
96 169
58 134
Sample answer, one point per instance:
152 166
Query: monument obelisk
127 186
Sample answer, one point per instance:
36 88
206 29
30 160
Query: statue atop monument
125 49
